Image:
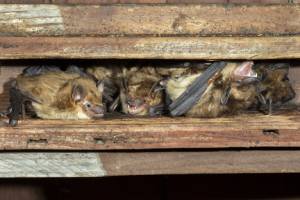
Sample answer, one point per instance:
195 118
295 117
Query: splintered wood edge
243 131
92 164
161 20
209 48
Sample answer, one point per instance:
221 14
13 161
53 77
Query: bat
57 95
275 88
218 87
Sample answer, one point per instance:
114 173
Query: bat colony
193 89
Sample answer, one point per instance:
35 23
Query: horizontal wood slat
153 20
209 162
245 130
95 2
92 164
151 47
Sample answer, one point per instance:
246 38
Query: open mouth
244 71
98 115
135 110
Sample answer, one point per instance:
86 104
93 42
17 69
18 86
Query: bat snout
135 102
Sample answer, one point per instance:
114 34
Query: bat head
87 96
240 80
275 83
143 91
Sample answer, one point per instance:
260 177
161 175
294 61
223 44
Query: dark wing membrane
194 92
37 70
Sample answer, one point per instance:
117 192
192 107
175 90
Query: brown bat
275 87
141 93
57 95
138 87
228 91
111 76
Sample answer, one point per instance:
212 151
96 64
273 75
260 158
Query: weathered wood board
91 164
50 165
95 2
209 48
150 20
245 130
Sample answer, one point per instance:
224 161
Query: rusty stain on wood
151 20
258 130
210 48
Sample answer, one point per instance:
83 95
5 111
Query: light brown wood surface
246 130
92 164
210 48
95 2
150 20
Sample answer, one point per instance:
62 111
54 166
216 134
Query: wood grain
258 130
201 162
210 48
150 20
96 2
91 164
50 165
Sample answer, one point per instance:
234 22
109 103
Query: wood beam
210 48
150 20
242 131
93 164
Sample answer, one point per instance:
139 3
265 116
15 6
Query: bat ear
78 93
100 86
163 82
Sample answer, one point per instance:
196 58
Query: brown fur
275 85
140 81
241 96
51 95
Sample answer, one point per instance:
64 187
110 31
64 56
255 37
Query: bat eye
177 77
87 104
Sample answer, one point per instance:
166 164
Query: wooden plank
50 165
150 20
151 47
96 2
258 130
210 162
91 164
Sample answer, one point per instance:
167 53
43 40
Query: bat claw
13 122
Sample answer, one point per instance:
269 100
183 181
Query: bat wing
37 70
194 92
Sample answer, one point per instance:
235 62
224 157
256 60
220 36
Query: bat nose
98 109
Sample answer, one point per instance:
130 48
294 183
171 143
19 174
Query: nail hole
99 140
270 131
37 141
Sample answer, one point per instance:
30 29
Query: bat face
142 91
89 99
276 85
142 96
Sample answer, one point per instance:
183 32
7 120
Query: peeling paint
51 165
31 19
